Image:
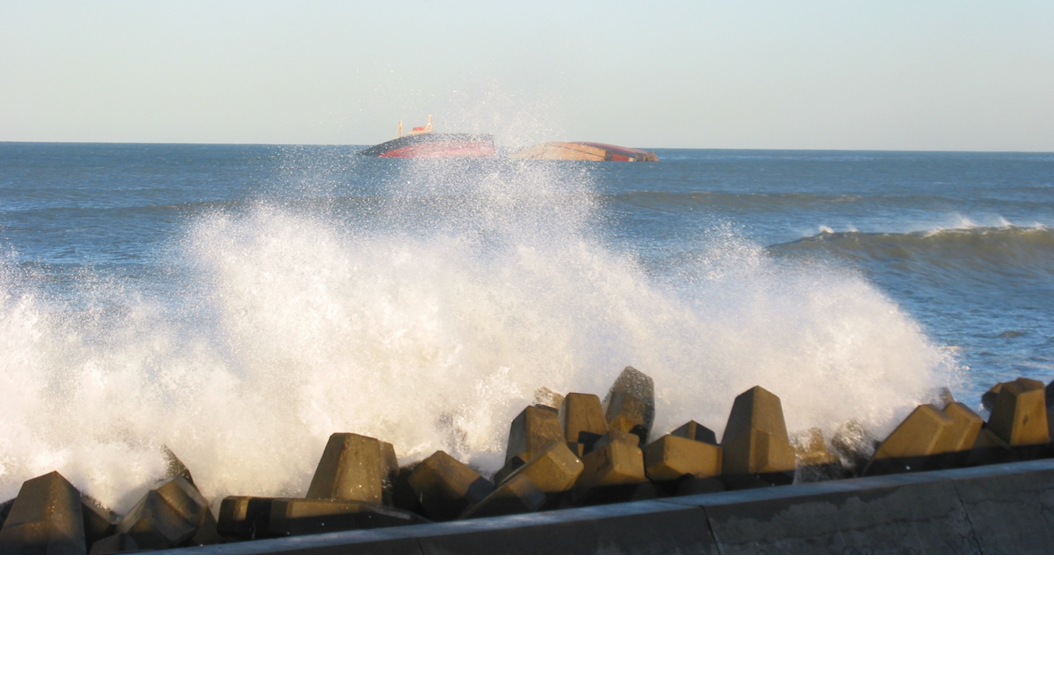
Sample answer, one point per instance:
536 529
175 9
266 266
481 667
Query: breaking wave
428 321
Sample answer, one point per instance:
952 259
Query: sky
809 74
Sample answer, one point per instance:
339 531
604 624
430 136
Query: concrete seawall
997 509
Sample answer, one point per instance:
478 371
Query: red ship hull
434 146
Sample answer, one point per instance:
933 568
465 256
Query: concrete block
690 485
582 419
531 431
755 438
616 462
695 431
554 470
672 457
355 467
118 543
517 495
167 516
403 496
207 533
966 426
99 522
918 435
630 404
512 465
47 517
244 517
1019 416
445 487
296 516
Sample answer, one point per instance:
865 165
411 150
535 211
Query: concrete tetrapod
617 460
99 522
445 487
244 516
629 405
302 516
355 467
920 434
755 439
167 516
966 426
582 419
672 456
695 431
555 470
46 518
529 434
1019 416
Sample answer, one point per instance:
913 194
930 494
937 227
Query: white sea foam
429 325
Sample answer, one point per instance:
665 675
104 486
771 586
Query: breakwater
583 475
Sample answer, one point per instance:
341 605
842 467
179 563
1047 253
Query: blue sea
240 303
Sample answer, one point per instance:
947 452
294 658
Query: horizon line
729 149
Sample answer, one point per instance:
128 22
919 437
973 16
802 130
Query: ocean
239 304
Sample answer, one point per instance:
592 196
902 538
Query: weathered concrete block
403 496
517 495
118 543
244 517
99 522
582 419
630 404
918 435
512 465
695 431
445 487
755 438
966 425
355 467
47 517
295 516
554 470
167 516
616 462
671 457
531 432
207 533
1019 416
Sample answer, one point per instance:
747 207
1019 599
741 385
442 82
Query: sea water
241 303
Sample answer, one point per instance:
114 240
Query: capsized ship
422 143
592 152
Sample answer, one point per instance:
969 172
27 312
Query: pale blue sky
931 75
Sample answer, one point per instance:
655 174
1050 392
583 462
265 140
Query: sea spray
427 317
